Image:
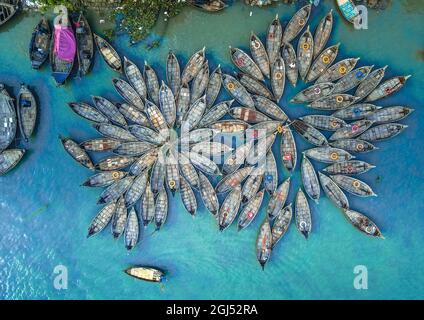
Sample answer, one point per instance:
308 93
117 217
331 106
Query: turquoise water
45 213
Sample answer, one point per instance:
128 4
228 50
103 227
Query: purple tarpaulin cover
64 43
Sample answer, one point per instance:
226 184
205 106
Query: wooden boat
245 63
119 219
278 77
172 173
296 24
100 144
363 223
314 92
77 153
216 113
135 77
334 102
348 10
8 120
132 149
8 9
252 185
352 79
188 171
145 162
173 73
114 132
305 51
193 66
250 211
351 167
237 91
356 111
148 204
328 154
132 230
254 86
259 54
187 197
333 192
109 110
229 208
233 179
387 88
230 126
281 224
278 199
194 114
128 93
183 102
214 87
351 130
383 132
269 108
9 159
323 122
204 164
258 152
353 186
264 243
167 104
101 220
88 112
104 179
324 60
370 83
273 40
270 181
310 179
200 83
235 159
152 83
133 114
290 60
338 70
39 46
114 163
389 114
322 33
288 149
161 209
208 194
146 273
209 5
309 133
62 68
144 133
85 43
27 112
199 135
248 115
115 190
353 145
108 53
136 190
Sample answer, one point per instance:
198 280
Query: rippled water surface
44 213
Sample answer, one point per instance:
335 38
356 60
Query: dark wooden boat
9 159
85 43
39 46
209 5
27 112
8 121
152 274
8 9
108 53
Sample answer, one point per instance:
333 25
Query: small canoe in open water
27 112
77 153
363 223
108 53
264 243
9 159
146 273
85 43
39 46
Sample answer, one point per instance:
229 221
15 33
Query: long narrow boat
270 181
288 149
108 53
208 194
7 11
107 108
148 205
85 43
387 88
250 211
104 179
146 273
351 167
338 70
259 54
323 122
389 114
322 62
322 33
77 153
27 112
269 108
278 199
173 73
353 145
303 214
209 5
135 77
119 219
39 46
214 87
100 144
161 209
9 159
187 197
363 223
296 23
328 154
353 186
278 77
63 49
281 224
132 231
200 83
193 66
101 220
264 243
310 179
229 208
309 133
152 83
245 63
128 93
273 39
305 51
333 192
348 10
8 120
290 60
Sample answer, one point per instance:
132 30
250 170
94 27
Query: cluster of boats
23 116
166 136
71 39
